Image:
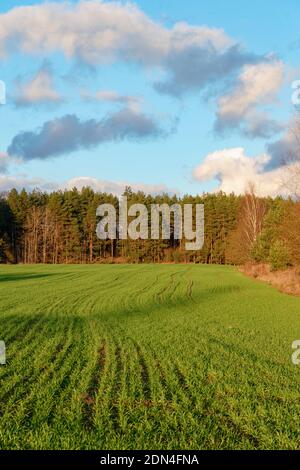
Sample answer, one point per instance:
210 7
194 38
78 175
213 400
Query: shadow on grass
23 277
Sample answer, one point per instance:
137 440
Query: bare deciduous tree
253 212
250 221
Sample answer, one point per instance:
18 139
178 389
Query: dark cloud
263 127
284 151
193 68
67 134
258 125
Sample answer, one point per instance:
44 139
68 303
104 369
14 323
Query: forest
60 228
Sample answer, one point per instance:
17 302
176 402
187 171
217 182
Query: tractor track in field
128 306
143 368
178 283
29 327
145 289
12 327
189 291
160 297
240 352
226 289
45 373
89 397
168 394
184 385
30 379
13 358
61 385
144 372
238 429
20 331
115 391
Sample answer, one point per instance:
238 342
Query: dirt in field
287 281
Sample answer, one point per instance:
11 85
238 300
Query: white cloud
235 171
97 32
116 187
40 89
258 85
111 96
7 182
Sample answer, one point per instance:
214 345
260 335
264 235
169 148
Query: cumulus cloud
96 32
235 171
257 85
68 133
197 66
260 124
38 90
116 187
92 31
7 182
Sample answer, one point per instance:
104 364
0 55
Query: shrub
278 256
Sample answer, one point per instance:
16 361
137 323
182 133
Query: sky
166 95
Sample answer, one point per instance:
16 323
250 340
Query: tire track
162 379
183 384
144 372
159 296
45 374
189 291
115 390
89 396
49 376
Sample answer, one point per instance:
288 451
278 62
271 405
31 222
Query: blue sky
174 135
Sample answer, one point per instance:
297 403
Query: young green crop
146 357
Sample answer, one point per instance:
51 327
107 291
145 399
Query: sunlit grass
152 356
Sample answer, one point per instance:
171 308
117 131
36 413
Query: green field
146 357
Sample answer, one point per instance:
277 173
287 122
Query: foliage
278 256
271 230
60 228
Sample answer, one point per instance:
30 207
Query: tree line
60 227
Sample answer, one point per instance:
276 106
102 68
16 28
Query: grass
146 357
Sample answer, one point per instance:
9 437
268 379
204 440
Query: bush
278 256
177 256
